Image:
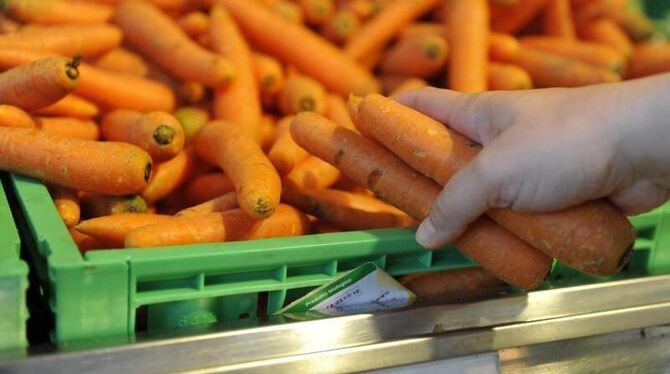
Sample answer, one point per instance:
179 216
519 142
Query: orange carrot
418 56
11 116
70 106
167 5
239 103
302 94
158 133
8 25
67 204
363 9
113 229
458 284
508 77
40 83
341 27
312 173
169 175
410 84
558 19
317 12
194 23
338 112
266 134
602 233
606 31
631 18
550 70
503 46
425 28
285 154
69 127
369 164
206 187
68 40
288 11
192 120
650 58
95 205
57 11
232 225
298 46
105 167
256 180
120 60
385 25
157 36
87 243
511 18
468 22
348 210
269 74
596 54
219 204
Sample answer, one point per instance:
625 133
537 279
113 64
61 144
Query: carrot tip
164 134
263 208
307 104
432 51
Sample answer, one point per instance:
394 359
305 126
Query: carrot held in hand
298 46
103 167
417 56
67 204
284 153
57 11
69 127
114 229
157 36
219 204
11 116
169 175
232 225
369 164
558 19
602 233
508 77
255 178
158 133
40 83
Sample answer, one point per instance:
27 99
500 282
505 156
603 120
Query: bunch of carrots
167 122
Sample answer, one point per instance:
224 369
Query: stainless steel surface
365 342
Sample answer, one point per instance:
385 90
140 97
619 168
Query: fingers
463 200
641 197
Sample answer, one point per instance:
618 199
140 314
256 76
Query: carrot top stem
72 67
164 134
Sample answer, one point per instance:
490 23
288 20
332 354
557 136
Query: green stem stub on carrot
72 67
164 134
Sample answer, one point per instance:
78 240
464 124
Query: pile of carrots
167 122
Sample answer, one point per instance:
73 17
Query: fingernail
425 234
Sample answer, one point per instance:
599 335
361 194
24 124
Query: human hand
546 150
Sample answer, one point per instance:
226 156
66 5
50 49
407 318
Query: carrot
11 116
317 12
298 46
512 18
219 204
86 40
385 25
468 22
40 83
158 133
167 5
57 11
288 11
8 25
70 106
69 127
508 77
120 60
105 167
503 46
348 210
417 56
269 74
631 18
194 23
86 243
266 134
67 204
606 31
169 175
256 180
454 284
232 225
410 84
312 173
363 9
650 58
341 27
206 187
158 37
596 54
425 28
558 19
300 94
240 102
284 153
369 164
113 229
96 205
192 120
547 69
338 112
602 233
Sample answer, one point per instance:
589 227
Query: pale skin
545 150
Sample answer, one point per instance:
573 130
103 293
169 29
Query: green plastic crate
115 292
13 282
